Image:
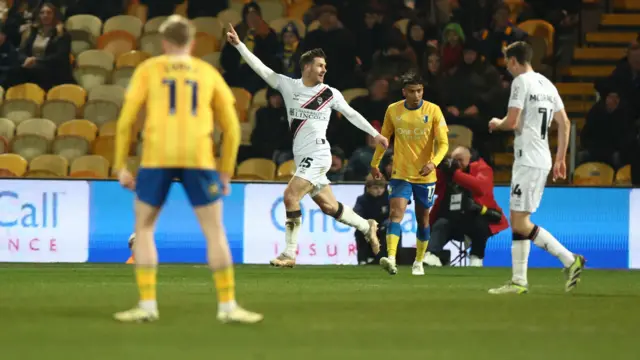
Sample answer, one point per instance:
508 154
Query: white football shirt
539 100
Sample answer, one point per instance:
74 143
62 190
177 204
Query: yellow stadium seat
55 164
623 176
502 176
153 25
205 44
576 89
596 53
593 173
402 25
4 145
631 20
256 169
260 99
131 59
70 147
213 59
105 147
617 38
117 42
14 163
243 102
286 170
19 110
541 29
209 25
503 159
59 111
272 10
81 41
30 146
87 23
351 94
70 92
91 76
590 71
152 44
459 136
7 129
82 128
100 58
128 23
101 111
26 91
229 16
108 128
278 25
297 8
41 127
112 93
90 166
41 174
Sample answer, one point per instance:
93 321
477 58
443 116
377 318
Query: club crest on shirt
426 118
319 100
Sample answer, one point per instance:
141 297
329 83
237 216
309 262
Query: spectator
395 58
359 163
47 50
338 168
605 131
261 40
475 16
433 77
373 204
420 36
271 137
157 8
103 9
19 19
375 27
10 59
501 33
626 77
289 55
452 43
464 206
198 8
338 44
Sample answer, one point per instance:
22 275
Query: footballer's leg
327 202
203 189
398 200
293 194
151 191
423 195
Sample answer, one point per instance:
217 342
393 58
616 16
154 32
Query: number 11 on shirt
171 83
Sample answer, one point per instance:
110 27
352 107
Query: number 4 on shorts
515 190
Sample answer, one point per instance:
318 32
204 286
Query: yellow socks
393 238
146 279
225 285
422 235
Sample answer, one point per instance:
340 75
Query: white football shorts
527 186
313 167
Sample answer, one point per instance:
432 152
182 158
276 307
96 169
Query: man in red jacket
464 206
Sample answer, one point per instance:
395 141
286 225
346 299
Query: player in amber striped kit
183 95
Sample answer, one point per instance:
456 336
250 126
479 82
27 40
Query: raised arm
268 75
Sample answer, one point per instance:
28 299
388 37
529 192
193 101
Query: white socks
546 241
292 227
148 305
227 306
349 217
519 261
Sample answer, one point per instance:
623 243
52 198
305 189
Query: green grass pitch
64 312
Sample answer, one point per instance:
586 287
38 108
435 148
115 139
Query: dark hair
411 78
522 51
309 56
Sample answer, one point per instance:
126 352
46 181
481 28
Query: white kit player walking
309 103
533 103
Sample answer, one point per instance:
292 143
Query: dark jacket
479 181
10 60
56 62
370 207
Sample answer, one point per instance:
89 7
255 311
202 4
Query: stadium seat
101 111
298 8
117 42
7 128
611 38
593 173
540 29
1 94
576 89
42 127
55 164
286 170
205 44
256 169
588 71
19 110
30 146
503 159
131 59
105 147
100 58
151 44
243 102
402 25
13 163
502 176
70 92
40 174
109 128
623 176
28 91
599 54
229 16
128 23
459 136
79 127
81 41
112 93
90 166
153 25
209 25
260 99
122 77
87 23
70 147
278 25
315 25
272 10
620 20
90 76
4 145
59 111
351 94
213 59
